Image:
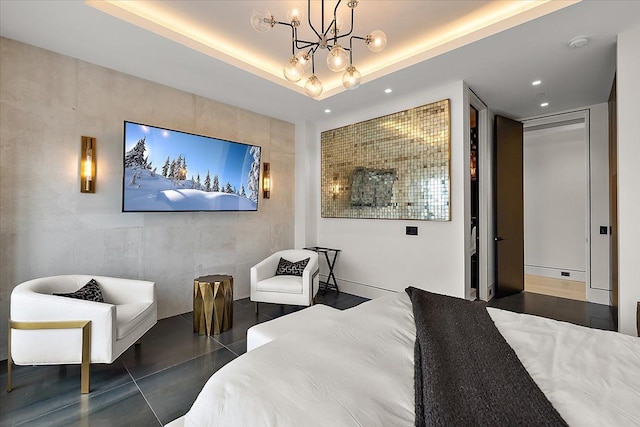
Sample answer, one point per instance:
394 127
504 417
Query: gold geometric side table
212 304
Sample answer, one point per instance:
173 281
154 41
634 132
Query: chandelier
328 36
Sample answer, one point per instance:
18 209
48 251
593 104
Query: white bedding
356 369
591 377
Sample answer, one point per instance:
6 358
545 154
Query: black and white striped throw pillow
288 268
89 292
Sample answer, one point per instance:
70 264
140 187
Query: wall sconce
88 165
266 181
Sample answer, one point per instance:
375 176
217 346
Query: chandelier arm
328 30
350 50
321 15
336 37
334 23
306 44
351 47
350 29
309 17
294 37
288 24
341 37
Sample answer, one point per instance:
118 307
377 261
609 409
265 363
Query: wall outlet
412 231
603 229
565 273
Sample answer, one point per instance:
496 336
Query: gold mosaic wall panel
391 167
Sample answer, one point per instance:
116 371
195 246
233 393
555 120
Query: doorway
477 206
474 202
556 205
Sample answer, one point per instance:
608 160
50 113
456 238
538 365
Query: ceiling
209 48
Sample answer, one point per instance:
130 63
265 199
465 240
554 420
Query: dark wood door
613 198
509 207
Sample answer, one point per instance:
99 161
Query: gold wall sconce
266 180
88 165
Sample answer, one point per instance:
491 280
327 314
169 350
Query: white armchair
45 329
294 290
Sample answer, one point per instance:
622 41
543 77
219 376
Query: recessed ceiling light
388 90
578 42
327 111
544 104
536 82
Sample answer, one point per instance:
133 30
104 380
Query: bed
356 368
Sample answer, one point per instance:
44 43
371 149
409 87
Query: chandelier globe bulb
292 70
376 41
294 16
351 78
262 20
313 87
304 59
337 27
337 59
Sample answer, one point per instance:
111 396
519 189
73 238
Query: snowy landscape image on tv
171 171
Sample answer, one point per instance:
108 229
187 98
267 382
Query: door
509 206
613 199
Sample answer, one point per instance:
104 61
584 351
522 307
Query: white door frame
484 185
559 120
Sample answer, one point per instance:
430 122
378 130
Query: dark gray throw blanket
466 374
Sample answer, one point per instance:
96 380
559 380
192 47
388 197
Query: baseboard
555 273
360 289
599 296
491 291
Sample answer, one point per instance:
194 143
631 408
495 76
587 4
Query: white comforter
356 369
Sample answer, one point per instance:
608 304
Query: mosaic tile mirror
392 167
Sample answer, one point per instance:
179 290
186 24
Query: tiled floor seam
145 398
177 364
90 395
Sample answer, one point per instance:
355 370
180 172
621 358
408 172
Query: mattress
356 369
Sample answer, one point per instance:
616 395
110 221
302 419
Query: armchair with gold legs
47 329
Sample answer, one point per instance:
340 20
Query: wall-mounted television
171 171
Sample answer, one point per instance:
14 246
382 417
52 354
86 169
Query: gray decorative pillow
288 268
89 292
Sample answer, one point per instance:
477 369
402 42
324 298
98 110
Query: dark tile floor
156 382
578 312
149 385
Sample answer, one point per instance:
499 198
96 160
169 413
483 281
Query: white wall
555 198
376 255
599 184
306 207
47 227
628 92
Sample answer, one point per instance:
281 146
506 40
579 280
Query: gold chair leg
85 325
85 370
9 361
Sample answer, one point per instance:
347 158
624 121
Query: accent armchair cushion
266 286
89 292
288 268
